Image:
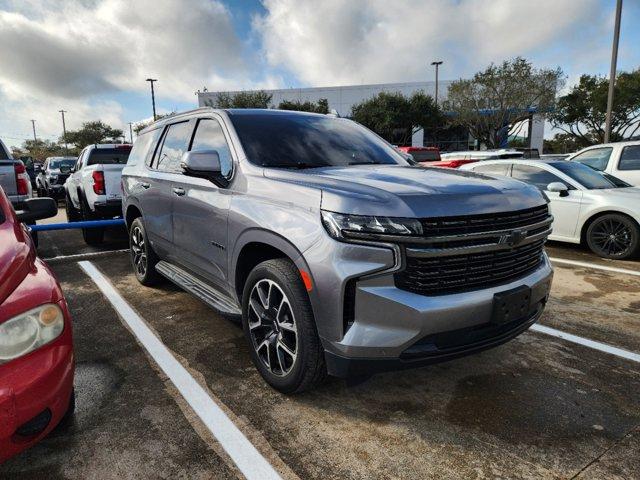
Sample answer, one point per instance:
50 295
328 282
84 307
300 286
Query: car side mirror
203 164
558 187
37 209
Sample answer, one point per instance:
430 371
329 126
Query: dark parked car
339 256
54 172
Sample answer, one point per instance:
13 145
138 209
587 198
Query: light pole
612 73
131 132
437 64
64 131
33 124
153 96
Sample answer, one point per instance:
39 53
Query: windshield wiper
364 162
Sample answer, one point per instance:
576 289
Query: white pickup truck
621 159
93 191
14 178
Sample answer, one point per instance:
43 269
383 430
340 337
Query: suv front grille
475 252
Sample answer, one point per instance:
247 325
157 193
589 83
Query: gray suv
339 256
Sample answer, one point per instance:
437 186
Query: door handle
145 185
178 191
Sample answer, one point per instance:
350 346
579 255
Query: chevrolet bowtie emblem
514 238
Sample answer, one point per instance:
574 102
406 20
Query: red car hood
16 257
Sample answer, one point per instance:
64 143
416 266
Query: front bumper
395 329
32 388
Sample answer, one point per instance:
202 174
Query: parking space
537 407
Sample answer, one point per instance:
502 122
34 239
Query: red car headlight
29 331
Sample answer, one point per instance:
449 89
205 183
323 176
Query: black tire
614 236
307 369
143 257
92 236
72 213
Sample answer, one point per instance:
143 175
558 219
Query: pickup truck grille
473 252
61 179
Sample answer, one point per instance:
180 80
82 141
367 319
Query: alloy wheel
612 237
139 251
272 327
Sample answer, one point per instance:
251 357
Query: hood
16 258
399 191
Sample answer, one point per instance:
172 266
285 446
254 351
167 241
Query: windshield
588 177
309 141
62 163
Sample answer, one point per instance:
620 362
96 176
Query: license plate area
511 305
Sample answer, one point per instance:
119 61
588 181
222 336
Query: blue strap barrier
119 222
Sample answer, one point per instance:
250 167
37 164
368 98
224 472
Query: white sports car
588 206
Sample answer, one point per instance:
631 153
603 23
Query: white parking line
603 347
249 461
78 256
596 266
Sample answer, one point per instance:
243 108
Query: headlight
343 226
29 331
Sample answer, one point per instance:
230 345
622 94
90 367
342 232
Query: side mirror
558 187
203 164
37 209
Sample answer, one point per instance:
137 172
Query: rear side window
143 147
209 136
630 158
109 156
495 169
176 142
3 153
596 158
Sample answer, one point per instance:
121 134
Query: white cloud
344 42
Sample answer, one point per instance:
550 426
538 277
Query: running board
209 295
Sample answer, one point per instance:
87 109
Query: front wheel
614 236
143 257
280 328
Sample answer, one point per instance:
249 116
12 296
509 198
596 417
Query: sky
91 57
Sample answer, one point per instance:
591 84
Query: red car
422 154
36 349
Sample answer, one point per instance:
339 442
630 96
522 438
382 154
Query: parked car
54 173
422 154
457 159
555 156
339 256
36 349
92 191
621 159
588 206
14 179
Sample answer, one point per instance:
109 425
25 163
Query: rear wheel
280 328
614 236
143 257
92 236
72 213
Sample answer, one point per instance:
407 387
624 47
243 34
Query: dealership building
343 98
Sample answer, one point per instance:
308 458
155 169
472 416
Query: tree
91 133
39 150
502 96
564 143
138 127
582 112
260 99
322 106
396 117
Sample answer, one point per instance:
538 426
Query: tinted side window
176 142
597 158
209 136
143 147
3 153
495 169
630 158
535 176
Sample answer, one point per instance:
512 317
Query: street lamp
64 132
437 64
612 73
153 96
33 124
131 132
